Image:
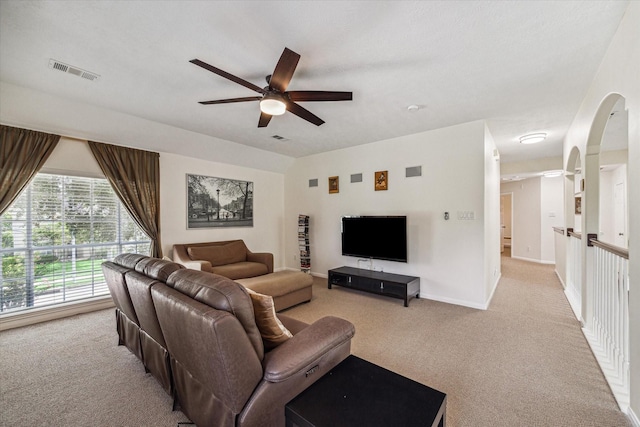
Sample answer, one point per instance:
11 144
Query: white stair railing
608 329
560 249
573 289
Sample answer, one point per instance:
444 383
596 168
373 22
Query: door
620 215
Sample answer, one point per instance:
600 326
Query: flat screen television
379 237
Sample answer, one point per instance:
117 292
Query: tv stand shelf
376 282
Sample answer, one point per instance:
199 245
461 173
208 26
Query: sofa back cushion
114 275
128 260
214 365
229 253
139 287
222 294
156 268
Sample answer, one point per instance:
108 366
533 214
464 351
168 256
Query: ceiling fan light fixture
273 105
533 138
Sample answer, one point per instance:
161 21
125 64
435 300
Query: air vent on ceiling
66 68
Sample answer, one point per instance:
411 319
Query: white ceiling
523 66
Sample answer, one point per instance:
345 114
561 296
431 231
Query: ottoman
287 287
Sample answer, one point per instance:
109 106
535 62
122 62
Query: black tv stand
376 282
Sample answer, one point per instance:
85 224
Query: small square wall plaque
381 179
334 184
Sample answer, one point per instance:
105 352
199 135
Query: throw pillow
271 328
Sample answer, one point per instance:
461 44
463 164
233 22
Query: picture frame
334 184
218 202
578 205
381 178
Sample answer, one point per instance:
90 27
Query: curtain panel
135 178
22 154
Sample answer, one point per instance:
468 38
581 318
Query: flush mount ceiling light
413 107
273 104
533 138
512 178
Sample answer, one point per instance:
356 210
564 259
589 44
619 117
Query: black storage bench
358 393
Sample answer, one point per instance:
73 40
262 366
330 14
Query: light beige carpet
523 362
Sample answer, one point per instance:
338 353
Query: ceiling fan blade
230 100
284 70
264 120
226 75
294 108
319 95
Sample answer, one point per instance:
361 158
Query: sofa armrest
305 347
198 265
181 256
265 258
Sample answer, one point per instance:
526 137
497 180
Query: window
55 237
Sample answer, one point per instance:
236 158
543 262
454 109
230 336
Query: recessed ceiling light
552 174
533 138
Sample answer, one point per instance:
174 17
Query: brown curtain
135 177
22 154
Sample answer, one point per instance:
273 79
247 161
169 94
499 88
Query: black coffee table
359 393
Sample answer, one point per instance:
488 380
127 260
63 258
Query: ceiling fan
275 99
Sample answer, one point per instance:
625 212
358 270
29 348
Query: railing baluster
609 337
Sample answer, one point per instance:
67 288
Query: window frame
98 288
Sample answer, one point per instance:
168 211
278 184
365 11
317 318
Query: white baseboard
560 278
574 303
537 261
493 291
454 301
633 417
59 311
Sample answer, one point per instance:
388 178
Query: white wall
448 256
552 215
266 235
618 73
526 205
538 206
72 157
608 181
492 267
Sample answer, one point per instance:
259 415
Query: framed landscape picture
218 202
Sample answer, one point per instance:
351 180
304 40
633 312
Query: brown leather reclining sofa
196 333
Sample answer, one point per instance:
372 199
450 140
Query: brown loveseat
204 325
229 258
232 259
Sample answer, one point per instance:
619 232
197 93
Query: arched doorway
605 283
